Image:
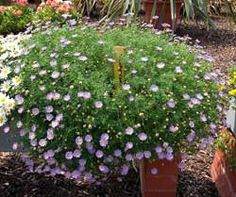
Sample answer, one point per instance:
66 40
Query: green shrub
74 118
14 19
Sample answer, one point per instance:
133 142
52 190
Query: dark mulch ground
194 181
15 181
220 43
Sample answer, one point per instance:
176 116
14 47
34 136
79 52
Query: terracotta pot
148 6
164 183
224 176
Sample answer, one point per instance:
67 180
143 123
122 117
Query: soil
194 180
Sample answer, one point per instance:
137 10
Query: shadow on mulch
15 181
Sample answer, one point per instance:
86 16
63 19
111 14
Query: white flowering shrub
74 121
10 48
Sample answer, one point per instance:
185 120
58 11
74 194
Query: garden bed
194 180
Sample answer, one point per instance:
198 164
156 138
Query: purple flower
147 154
139 155
82 162
129 145
98 104
42 72
69 155
55 123
142 136
88 138
59 117
169 156
131 98
104 140
124 170
49 117
161 155
72 22
42 142
6 129
205 57
169 149
199 96
20 110
33 128
171 103
35 111
195 101
67 97
53 63
15 146
117 153
76 174
55 74
181 166
104 169
77 153
154 171
22 132
49 109
79 141
19 99
191 124
158 149
50 153
203 118
129 131
99 154
87 95
50 134
191 136
178 69
128 157
173 128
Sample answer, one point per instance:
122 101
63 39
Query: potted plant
78 120
223 169
168 11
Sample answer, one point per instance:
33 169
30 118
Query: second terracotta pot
148 6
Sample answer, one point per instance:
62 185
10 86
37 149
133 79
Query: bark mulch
220 43
194 180
16 181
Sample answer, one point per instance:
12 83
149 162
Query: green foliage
164 103
15 19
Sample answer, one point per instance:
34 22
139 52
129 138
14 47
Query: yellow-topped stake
118 67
